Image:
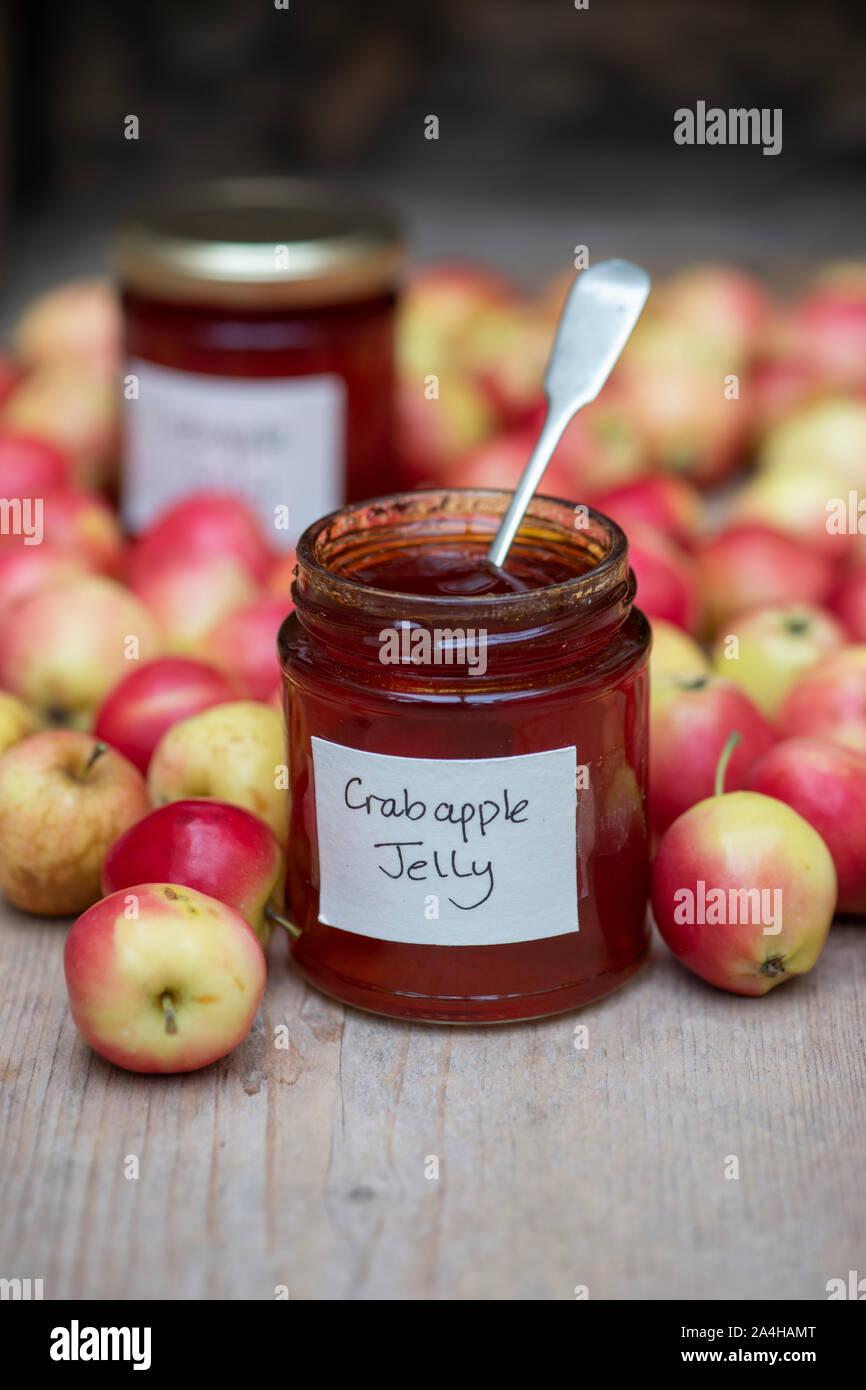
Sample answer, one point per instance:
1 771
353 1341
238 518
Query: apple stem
724 759
167 1003
274 917
97 752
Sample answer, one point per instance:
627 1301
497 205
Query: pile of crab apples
142 785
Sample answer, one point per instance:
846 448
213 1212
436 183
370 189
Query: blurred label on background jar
280 442
445 851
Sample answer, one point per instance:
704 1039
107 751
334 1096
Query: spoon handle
602 308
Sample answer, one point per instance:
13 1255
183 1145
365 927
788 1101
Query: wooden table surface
309 1166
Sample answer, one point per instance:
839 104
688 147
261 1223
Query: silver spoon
602 308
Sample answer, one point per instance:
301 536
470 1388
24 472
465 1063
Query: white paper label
279 442
447 851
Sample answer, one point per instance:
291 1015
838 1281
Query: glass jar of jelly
467 759
259 321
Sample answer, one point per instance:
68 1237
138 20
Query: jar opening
568 557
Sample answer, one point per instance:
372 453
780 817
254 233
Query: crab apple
500 461
64 799
30 467
74 407
675 386
826 785
658 500
674 653
766 650
216 848
282 574
779 388
63 648
433 431
506 350
78 321
827 330
10 376
191 593
797 500
17 721
743 891
163 979
244 645
726 306
153 696
830 434
439 304
668 583
83 526
691 718
234 752
746 565
26 568
199 526
829 700
848 603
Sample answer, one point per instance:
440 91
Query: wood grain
305 1166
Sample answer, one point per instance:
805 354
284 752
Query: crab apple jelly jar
467 759
259 337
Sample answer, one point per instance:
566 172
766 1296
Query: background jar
566 668
259 317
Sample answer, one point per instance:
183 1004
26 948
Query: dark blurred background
556 124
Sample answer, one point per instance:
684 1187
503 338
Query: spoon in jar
602 308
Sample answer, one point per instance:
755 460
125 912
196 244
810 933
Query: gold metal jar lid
259 243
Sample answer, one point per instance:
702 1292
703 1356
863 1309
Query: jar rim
602 538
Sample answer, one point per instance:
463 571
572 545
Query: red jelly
259 337
467 758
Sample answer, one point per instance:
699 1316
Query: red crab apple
282 575
216 848
726 306
25 568
744 566
74 406
30 467
152 697
506 351
826 785
778 388
244 644
743 891
191 593
76 321
691 717
658 500
675 387
64 798
82 525
162 978
668 583
827 330
829 700
199 526
499 462
766 650
848 603
63 648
